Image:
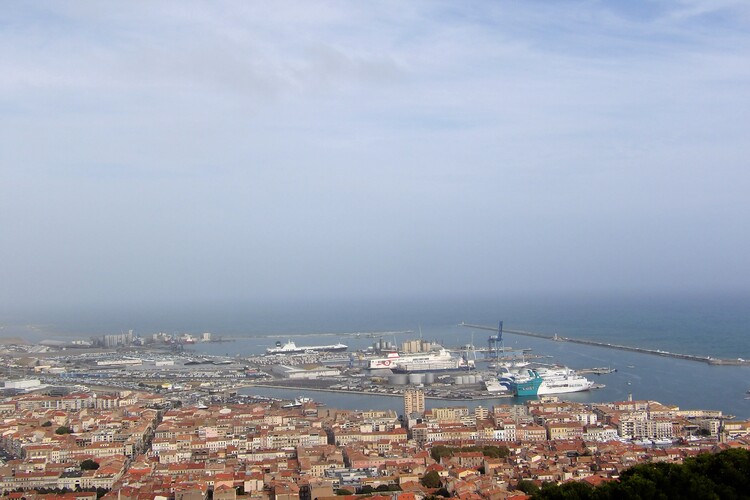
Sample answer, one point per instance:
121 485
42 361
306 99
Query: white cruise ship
291 348
541 381
437 360
561 381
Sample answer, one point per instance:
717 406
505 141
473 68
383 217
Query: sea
709 324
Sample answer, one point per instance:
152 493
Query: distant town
133 444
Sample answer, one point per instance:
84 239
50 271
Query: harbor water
709 325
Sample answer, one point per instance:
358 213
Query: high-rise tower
413 402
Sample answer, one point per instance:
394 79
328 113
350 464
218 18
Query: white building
23 384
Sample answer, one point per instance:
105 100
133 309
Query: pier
641 350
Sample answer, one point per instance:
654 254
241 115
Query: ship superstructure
435 360
291 348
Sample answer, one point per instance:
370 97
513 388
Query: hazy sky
161 151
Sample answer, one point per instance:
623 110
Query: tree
63 430
89 464
388 487
719 476
431 480
527 486
573 490
492 451
440 451
342 491
47 424
495 451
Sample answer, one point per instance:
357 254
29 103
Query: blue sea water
709 324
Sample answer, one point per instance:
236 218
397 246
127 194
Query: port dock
642 350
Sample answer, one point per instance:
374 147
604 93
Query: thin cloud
240 149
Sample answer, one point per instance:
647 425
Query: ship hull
428 368
528 387
544 390
563 381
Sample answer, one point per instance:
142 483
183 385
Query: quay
642 350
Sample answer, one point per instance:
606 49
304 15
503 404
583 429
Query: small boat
297 402
661 442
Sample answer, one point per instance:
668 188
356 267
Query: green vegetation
491 451
528 487
89 465
47 424
100 492
439 495
63 430
367 489
342 491
431 480
388 487
725 475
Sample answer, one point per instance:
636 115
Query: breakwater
642 350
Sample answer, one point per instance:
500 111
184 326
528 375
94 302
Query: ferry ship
541 381
291 348
438 360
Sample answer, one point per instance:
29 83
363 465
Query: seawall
642 350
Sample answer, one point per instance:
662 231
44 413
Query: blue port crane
495 342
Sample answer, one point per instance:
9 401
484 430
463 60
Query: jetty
642 350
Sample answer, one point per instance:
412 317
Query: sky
206 151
